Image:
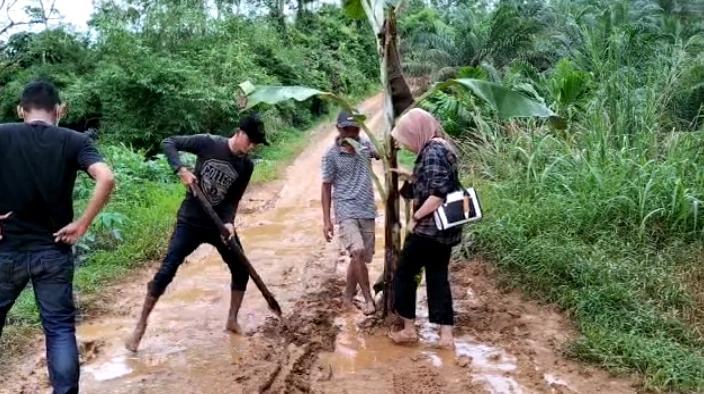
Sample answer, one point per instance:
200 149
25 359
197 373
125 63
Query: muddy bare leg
236 297
132 343
351 287
363 280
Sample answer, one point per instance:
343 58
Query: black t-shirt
222 175
37 175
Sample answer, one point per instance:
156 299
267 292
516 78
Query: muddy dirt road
505 344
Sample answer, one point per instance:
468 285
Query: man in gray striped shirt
346 175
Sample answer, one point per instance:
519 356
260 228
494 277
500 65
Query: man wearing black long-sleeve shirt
222 171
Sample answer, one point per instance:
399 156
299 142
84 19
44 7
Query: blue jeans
51 273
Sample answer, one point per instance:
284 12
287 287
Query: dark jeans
184 241
423 252
51 273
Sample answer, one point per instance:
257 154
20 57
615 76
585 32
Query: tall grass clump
605 219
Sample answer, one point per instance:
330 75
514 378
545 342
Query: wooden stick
273 304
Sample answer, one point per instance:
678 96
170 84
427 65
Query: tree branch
45 17
14 24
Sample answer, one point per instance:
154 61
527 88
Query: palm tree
508 34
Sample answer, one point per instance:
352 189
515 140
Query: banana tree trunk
397 98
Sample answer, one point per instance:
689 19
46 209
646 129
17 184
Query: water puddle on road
161 358
128 365
109 370
356 352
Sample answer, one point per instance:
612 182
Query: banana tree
505 102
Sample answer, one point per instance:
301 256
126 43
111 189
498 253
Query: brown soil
505 344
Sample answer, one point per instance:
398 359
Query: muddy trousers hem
184 240
51 273
422 252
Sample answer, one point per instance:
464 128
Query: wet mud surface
505 344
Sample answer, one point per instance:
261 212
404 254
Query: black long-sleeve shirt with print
221 174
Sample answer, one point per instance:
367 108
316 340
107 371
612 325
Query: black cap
346 119
253 126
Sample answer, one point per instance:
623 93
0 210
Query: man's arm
182 143
104 184
328 175
373 153
193 144
326 198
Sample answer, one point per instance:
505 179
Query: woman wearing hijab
434 176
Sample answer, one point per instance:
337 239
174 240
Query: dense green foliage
168 67
603 217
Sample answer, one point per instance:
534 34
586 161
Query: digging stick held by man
37 226
229 239
223 170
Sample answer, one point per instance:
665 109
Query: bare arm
429 206
326 193
104 184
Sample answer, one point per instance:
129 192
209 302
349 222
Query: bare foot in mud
369 308
132 343
446 344
234 327
348 304
447 340
403 337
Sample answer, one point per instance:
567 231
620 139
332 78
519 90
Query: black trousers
184 241
423 252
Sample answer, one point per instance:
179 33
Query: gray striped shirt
349 174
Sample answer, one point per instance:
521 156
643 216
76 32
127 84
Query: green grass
605 227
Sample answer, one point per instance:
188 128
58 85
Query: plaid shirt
435 174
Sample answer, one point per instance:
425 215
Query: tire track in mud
285 351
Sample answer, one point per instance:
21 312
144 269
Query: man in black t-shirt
40 162
223 172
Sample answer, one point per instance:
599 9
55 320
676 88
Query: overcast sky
77 12
73 12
